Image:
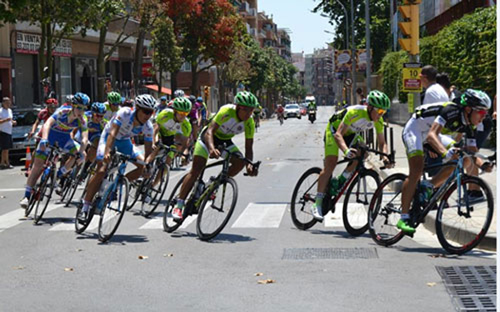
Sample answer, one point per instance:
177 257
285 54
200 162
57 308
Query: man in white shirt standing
434 92
6 124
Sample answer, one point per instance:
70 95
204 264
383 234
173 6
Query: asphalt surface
49 267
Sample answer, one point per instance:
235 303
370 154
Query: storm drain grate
328 253
472 288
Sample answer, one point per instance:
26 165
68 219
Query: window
65 77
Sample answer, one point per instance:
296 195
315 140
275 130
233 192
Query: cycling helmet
128 103
98 108
163 98
80 99
114 97
476 99
246 98
378 99
178 93
51 102
69 98
145 101
182 104
199 99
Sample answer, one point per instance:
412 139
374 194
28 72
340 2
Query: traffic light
410 27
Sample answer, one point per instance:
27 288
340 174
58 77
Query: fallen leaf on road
20 267
438 256
143 257
79 249
2 196
266 281
168 255
431 284
268 158
68 269
259 274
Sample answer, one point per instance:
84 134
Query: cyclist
256 116
427 125
203 111
340 132
311 106
280 111
112 105
230 120
177 93
162 105
195 116
43 116
117 133
57 130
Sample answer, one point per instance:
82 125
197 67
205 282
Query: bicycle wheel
80 227
216 209
357 200
385 211
81 177
169 224
153 195
46 190
113 209
460 229
303 197
135 191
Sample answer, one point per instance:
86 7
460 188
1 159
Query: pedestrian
361 96
6 123
434 92
443 79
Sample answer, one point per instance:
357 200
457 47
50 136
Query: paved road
48 267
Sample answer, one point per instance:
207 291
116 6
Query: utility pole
353 55
368 54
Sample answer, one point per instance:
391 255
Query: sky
307 28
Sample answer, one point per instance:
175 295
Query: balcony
245 8
252 12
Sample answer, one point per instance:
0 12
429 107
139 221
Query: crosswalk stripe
157 223
335 219
16 217
257 215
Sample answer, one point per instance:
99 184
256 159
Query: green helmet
379 100
114 97
182 104
246 98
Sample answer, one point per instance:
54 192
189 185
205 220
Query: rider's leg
236 166
137 172
416 167
198 164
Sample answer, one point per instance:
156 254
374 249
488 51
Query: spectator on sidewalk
434 92
484 129
444 81
6 123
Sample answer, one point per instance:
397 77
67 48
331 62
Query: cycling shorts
415 134
124 146
201 148
60 139
168 141
331 147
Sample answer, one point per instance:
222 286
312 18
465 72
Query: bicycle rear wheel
216 209
135 191
82 177
169 224
80 227
357 200
385 211
460 229
113 209
303 197
46 190
153 195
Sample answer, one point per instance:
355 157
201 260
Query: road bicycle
213 201
358 189
461 222
111 201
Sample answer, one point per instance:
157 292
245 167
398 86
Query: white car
292 110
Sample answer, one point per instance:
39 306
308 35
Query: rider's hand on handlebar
487 166
451 154
214 153
387 162
350 153
251 170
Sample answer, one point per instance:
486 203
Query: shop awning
155 88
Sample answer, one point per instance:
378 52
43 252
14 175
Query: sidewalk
489 241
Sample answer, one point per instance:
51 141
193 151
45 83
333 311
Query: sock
180 203
86 166
27 192
86 205
405 216
319 199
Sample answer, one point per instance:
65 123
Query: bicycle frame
121 172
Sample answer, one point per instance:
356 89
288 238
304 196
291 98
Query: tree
167 54
10 10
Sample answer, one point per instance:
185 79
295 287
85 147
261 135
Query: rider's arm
156 129
33 129
433 139
85 141
111 138
46 127
249 149
210 135
339 136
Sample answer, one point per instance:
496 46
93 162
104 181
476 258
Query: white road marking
258 215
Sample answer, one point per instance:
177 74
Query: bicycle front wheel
44 196
357 200
114 207
169 224
153 194
216 209
462 221
385 211
303 197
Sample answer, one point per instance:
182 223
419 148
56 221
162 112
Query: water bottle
199 189
425 191
334 186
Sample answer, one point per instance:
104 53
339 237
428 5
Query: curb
489 242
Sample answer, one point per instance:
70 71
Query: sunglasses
99 115
115 104
80 107
381 111
182 113
147 111
482 112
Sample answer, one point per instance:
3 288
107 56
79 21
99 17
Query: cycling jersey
357 119
169 127
43 116
94 128
448 115
109 113
193 115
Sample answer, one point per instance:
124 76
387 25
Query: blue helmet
199 99
163 98
98 108
80 99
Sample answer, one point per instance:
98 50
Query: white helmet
146 101
178 93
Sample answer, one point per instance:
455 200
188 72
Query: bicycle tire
80 178
355 218
452 240
169 224
297 211
136 194
204 233
80 228
115 213
45 197
387 233
159 192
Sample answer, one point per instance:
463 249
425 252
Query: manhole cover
472 288
328 253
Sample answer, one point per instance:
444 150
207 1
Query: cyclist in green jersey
229 121
339 133
112 105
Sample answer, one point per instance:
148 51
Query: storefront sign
343 60
361 59
411 77
146 70
30 43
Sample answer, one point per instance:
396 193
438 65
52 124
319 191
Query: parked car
25 119
292 110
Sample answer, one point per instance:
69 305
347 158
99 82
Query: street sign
348 82
411 77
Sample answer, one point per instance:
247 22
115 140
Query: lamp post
353 51
368 54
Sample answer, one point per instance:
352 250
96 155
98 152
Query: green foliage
466 50
167 53
390 70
